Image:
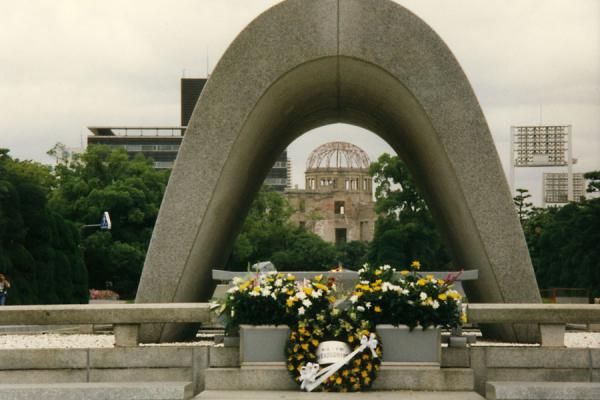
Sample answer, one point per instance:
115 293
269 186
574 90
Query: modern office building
161 143
337 202
556 184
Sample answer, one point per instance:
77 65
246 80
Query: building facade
161 143
337 202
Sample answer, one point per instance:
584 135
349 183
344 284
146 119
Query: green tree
267 235
39 250
524 208
563 243
593 178
105 179
405 230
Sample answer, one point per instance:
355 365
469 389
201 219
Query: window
338 207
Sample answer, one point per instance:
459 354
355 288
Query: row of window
349 183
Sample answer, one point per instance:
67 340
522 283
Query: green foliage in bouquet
274 299
383 296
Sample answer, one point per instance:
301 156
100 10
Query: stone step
297 395
542 390
388 378
221 357
98 391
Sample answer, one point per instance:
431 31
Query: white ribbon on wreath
311 377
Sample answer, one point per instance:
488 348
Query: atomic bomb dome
337 203
337 166
338 155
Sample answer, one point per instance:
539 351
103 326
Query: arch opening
394 78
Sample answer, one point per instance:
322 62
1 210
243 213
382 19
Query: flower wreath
356 375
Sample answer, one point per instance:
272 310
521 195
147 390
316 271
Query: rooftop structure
161 143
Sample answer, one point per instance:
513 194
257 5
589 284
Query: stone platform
297 395
388 378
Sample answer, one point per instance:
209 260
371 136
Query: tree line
51 254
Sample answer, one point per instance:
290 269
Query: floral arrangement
358 374
274 299
384 296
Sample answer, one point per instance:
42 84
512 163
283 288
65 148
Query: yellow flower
321 286
369 367
442 296
367 380
377 309
430 277
415 264
331 299
441 282
378 272
350 339
308 290
290 302
245 285
304 346
352 379
421 282
404 272
291 277
364 374
318 278
301 330
256 289
290 367
338 381
300 356
332 378
463 318
345 373
315 342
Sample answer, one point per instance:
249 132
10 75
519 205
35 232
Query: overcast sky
69 64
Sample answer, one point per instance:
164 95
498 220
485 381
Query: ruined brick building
337 202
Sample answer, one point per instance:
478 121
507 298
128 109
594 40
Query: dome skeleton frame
338 155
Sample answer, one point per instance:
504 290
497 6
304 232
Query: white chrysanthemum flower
316 294
301 295
360 308
368 304
353 299
435 305
274 296
364 282
237 280
232 312
307 303
423 296
265 292
233 289
405 292
254 293
386 267
278 283
301 311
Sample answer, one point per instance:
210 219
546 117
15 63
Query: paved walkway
292 395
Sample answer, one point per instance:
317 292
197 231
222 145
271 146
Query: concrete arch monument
307 63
